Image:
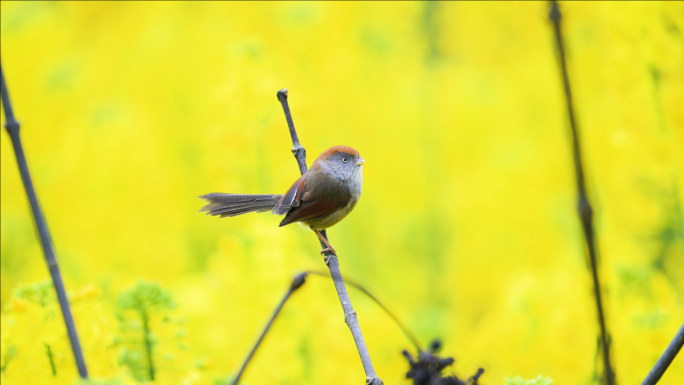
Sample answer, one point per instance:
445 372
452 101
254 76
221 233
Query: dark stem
12 127
297 282
666 359
350 317
51 358
583 206
148 343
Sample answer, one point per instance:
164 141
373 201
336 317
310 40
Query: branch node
52 264
12 126
554 13
350 317
297 149
584 210
298 281
282 94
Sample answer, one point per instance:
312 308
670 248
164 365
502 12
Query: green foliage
8 357
140 341
223 380
535 381
42 292
468 195
145 297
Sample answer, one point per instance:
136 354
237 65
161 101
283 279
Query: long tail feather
230 205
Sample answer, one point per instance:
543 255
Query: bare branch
583 206
297 149
12 127
666 359
297 282
350 317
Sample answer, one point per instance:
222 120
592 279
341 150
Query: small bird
323 196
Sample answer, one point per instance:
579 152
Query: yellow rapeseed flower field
467 226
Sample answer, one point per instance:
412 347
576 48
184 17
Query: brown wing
292 197
309 210
317 194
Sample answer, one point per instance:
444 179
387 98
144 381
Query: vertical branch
350 317
583 206
666 359
12 127
297 282
148 343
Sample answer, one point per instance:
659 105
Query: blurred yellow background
466 227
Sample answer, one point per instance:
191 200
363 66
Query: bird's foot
330 250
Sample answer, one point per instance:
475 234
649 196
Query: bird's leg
327 249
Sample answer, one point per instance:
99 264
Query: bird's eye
345 160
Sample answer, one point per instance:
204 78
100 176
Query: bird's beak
360 162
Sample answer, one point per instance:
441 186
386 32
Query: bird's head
343 161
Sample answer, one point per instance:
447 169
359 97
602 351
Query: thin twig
12 127
297 149
297 282
666 359
583 206
350 317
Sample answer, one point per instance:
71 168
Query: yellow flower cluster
467 226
